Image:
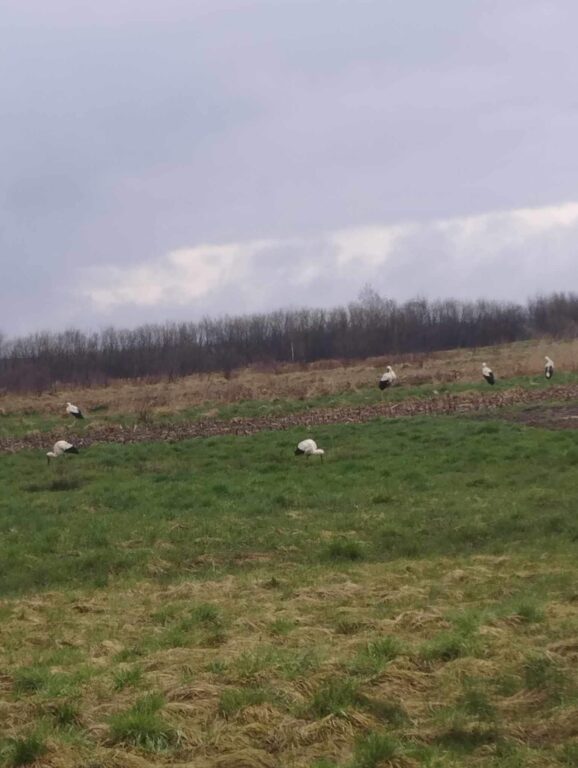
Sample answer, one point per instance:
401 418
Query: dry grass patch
151 397
421 676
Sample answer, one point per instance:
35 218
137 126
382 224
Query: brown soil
548 417
463 403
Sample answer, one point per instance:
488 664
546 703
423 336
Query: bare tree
372 325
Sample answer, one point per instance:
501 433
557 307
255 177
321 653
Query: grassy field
220 603
418 488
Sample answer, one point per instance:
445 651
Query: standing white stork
488 374
549 367
388 379
60 448
309 448
74 410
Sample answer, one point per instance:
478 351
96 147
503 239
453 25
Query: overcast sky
167 160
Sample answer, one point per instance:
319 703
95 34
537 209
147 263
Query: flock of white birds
305 448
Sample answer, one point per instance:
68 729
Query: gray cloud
506 255
132 130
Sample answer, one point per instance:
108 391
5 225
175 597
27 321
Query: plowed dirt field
564 416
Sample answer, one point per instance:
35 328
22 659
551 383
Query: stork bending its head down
309 448
60 448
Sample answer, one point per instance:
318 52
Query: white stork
388 379
549 368
488 374
74 410
309 448
60 448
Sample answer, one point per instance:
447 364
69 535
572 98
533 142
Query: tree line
371 326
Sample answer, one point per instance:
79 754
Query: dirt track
549 417
467 402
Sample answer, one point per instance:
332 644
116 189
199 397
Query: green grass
30 680
127 677
23 750
143 726
543 673
450 645
43 680
221 505
569 754
374 656
409 601
374 750
344 550
335 697
233 700
471 720
65 714
281 627
476 703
